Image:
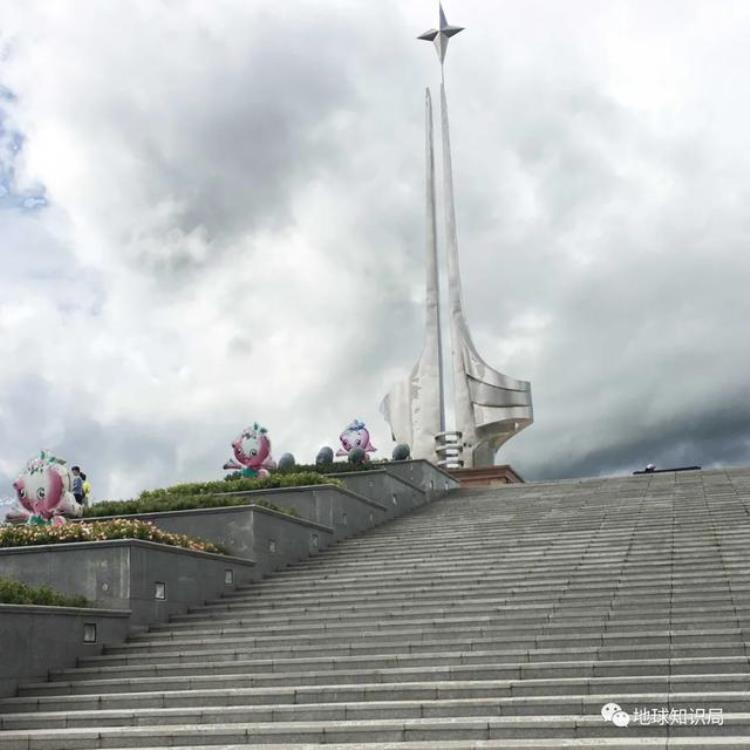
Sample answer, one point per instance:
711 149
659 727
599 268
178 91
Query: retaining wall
152 581
35 640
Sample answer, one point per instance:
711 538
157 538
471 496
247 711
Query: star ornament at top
440 36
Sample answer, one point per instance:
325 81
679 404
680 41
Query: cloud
217 217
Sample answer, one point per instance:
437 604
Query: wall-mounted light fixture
89 632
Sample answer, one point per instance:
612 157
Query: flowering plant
205 495
120 528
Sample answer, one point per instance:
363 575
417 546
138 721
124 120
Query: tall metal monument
489 407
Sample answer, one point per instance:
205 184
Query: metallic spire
440 36
415 406
490 407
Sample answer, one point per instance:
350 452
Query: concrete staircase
501 618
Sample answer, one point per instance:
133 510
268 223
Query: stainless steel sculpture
489 407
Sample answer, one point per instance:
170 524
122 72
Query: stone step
499 588
449 629
476 603
515 609
573 705
516 549
382 730
333 588
500 617
135 653
426 593
491 529
622 687
517 528
517 543
511 670
503 540
345 591
492 578
510 615
551 565
601 743
621 570
473 557
298 663
407 641
545 554
605 520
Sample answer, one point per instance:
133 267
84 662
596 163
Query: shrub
239 484
205 495
174 502
13 592
24 536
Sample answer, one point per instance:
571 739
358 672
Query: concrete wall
123 574
399 495
272 540
343 511
433 480
35 640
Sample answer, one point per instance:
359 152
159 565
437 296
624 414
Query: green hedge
120 528
13 592
205 495
175 502
297 478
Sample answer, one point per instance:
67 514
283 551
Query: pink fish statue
356 435
252 453
43 492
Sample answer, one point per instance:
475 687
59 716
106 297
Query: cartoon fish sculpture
356 435
43 492
252 452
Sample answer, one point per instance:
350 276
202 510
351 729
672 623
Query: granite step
616 743
562 599
383 730
573 705
455 628
510 670
496 618
136 653
523 617
622 687
560 657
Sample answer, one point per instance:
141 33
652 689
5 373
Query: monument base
486 476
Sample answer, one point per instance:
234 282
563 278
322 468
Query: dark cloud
235 228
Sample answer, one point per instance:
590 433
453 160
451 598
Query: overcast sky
211 212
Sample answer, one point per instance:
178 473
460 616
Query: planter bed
397 494
153 581
272 540
338 508
432 479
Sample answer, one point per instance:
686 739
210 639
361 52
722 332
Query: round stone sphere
401 452
325 455
287 462
357 456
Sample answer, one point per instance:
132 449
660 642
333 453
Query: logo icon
612 712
